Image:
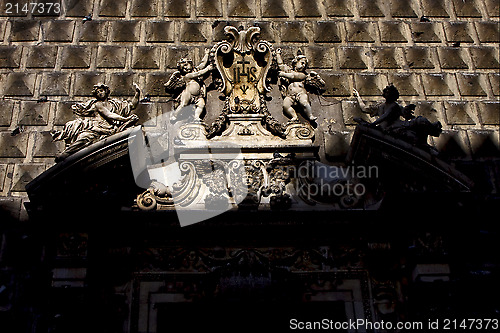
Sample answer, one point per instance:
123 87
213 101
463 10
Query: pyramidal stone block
6 110
306 8
401 8
485 57
469 84
44 146
24 31
424 32
79 8
55 84
241 8
20 84
419 58
59 31
338 7
93 31
327 32
160 32
488 31
76 56
145 57
452 58
42 57
436 85
293 32
209 8
85 81
273 8
176 8
113 8
457 32
121 84
13 146
386 57
351 57
111 57
490 112
144 8
25 173
405 83
370 9
125 31
192 32
10 56
466 8
34 114
434 8
391 32
458 113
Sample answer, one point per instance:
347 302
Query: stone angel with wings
190 80
295 82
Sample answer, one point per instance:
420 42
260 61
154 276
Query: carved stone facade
249 128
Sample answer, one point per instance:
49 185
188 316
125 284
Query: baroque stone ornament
98 118
400 121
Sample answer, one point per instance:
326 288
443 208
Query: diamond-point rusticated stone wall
442 55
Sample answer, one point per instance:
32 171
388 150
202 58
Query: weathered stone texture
368 84
306 8
193 32
452 58
44 146
146 57
6 110
85 81
391 32
459 113
144 8
436 85
457 32
160 32
402 8
387 57
79 8
425 32
320 57
19 84
42 57
327 32
10 56
176 8
490 112
335 84
469 84
488 31
359 32
125 31
338 7
121 84
485 57
112 8
273 8
23 174
241 8
352 58
21 31
495 83
369 9
93 31
111 57
434 8
293 32
76 56
64 113
209 8
55 83
34 113
492 7
58 31
419 58
13 145
405 82
466 8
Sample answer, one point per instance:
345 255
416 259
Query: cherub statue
191 80
98 118
295 83
410 128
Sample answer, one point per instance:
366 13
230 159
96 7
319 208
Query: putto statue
190 80
295 82
98 118
410 128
